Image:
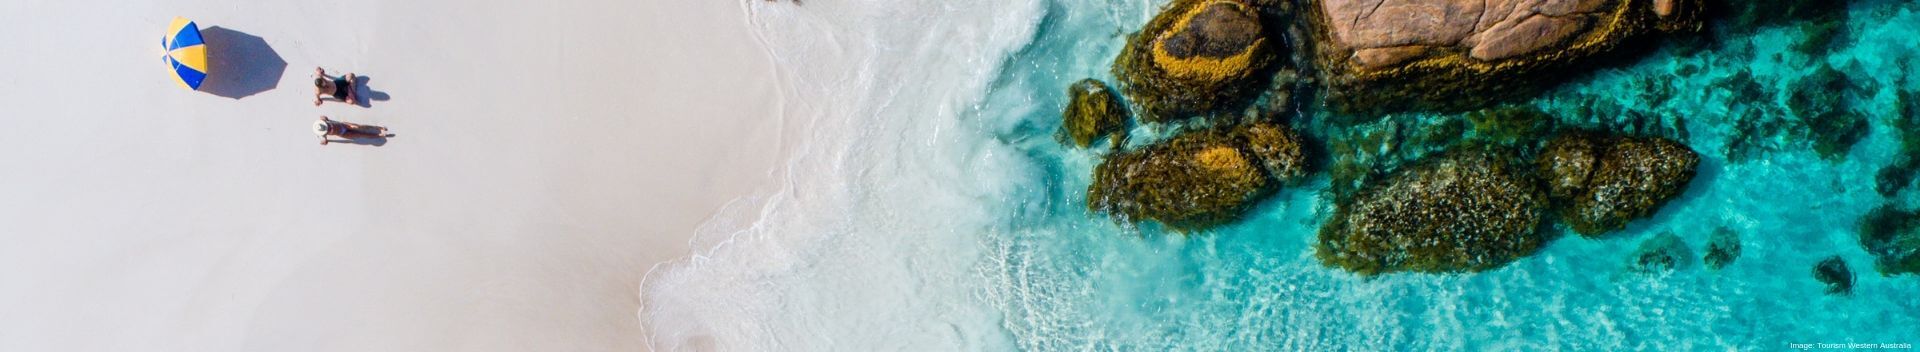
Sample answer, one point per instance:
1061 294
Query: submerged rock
1742 16
1601 183
1199 179
1660 254
1459 54
1833 272
1509 125
1464 210
1820 100
1196 57
1722 248
1093 112
1893 237
1897 175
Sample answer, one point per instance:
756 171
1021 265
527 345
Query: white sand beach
546 155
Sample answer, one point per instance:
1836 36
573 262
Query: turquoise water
930 207
1070 280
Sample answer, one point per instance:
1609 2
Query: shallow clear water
951 217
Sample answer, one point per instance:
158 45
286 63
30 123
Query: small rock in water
1835 274
1093 112
1722 248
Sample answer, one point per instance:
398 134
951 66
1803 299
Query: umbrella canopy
186 52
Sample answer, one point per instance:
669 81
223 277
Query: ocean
930 207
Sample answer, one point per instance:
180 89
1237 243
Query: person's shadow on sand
242 64
364 96
375 141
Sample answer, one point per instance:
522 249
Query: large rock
1893 237
1600 183
1382 55
1093 112
1191 181
1197 57
1464 210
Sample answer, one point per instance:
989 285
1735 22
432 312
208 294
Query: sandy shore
546 156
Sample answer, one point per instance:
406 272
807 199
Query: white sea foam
872 239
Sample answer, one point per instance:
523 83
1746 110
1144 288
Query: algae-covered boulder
1465 210
1277 148
1191 181
1198 179
1893 237
1722 248
1660 254
1093 112
1834 273
1600 183
1194 58
1381 55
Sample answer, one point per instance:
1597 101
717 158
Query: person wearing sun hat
327 128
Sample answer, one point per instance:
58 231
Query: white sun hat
320 128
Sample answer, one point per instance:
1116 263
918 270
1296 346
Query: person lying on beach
338 88
328 128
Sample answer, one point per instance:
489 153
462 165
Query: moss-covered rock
1197 57
1464 210
1278 149
1660 254
1192 181
1722 248
1093 112
1626 178
1834 273
1451 55
1893 237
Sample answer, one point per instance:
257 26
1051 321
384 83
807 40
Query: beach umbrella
186 53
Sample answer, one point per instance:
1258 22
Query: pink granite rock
1489 29
1408 44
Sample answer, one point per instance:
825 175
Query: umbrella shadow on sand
242 64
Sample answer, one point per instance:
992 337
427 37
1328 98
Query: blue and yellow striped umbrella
186 52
